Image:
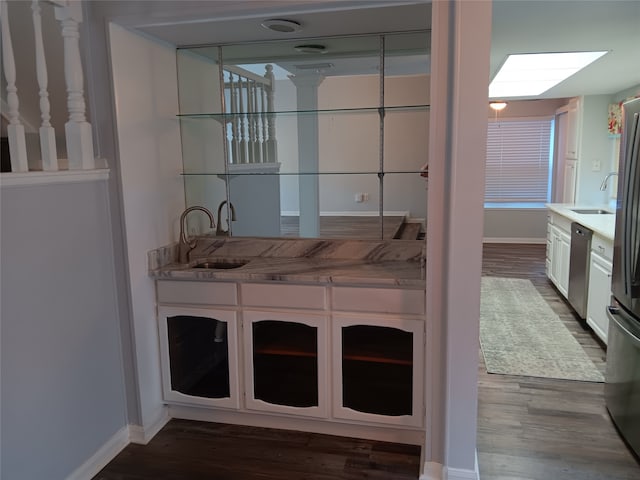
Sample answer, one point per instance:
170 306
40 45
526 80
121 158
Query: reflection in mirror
292 133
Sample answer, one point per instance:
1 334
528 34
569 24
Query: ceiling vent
282 25
314 66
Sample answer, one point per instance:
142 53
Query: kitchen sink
220 264
587 211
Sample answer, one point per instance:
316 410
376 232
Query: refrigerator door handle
619 318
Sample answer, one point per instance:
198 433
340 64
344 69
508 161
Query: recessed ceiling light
311 48
282 25
534 73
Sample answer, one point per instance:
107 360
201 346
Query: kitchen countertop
360 262
603 225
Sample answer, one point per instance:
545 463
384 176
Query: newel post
77 130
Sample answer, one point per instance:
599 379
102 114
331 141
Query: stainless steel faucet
219 230
603 185
186 245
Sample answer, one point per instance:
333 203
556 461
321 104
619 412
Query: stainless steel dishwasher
579 268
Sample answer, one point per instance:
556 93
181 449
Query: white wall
62 379
146 103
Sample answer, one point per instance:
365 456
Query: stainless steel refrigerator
622 379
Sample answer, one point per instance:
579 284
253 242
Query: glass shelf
401 108
293 174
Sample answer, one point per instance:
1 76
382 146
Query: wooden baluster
263 121
15 129
257 149
235 121
77 129
251 123
47 132
272 144
241 121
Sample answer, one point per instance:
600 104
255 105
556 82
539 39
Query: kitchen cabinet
599 286
198 353
558 252
569 181
286 362
574 127
343 354
378 369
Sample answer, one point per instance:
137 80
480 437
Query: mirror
308 138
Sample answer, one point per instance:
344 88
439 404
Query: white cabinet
342 354
378 369
198 354
558 253
599 286
574 127
569 181
286 356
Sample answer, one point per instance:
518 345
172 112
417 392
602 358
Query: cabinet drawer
197 293
283 296
602 246
378 300
563 223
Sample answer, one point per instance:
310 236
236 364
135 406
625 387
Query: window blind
518 160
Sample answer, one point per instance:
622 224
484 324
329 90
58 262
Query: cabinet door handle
600 249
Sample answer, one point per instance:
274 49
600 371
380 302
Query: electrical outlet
595 166
365 197
358 197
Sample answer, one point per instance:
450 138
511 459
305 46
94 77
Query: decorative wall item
615 116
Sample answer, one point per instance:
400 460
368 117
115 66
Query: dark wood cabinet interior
285 363
377 370
198 356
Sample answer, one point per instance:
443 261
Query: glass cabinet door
198 354
378 370
286 362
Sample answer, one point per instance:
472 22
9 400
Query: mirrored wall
308 138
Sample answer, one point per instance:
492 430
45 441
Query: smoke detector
282 25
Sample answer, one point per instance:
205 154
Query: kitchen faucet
603 185
219 230
186 245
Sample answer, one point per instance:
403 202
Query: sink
220 264
587 211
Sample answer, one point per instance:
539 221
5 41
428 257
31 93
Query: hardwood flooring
189 450
539 429
528 428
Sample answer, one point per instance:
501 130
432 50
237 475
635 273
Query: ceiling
518 27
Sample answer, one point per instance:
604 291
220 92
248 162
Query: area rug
521 335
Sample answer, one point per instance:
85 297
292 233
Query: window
519 160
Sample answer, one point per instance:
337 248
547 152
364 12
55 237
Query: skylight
534 73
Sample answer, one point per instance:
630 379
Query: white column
461 40
77 129
47 132
308 153
15 129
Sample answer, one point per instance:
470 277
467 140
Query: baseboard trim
104 455
143 435
535 240
432 471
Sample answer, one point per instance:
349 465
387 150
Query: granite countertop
362 262
603 225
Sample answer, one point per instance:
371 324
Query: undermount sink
587 211
220 264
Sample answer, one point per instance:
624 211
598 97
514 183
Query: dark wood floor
539 429
528 428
